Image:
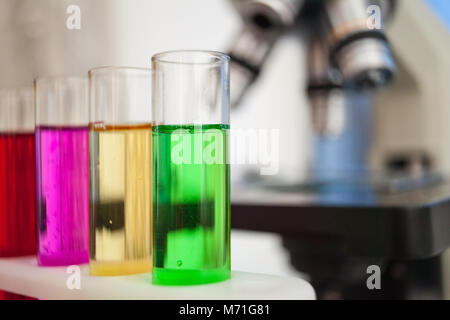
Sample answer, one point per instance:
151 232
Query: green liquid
191 188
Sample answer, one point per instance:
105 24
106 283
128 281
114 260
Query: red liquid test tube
17 177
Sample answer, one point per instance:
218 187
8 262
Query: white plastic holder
23 276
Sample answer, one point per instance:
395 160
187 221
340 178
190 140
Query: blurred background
362 116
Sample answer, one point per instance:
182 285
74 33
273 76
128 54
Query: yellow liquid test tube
121 200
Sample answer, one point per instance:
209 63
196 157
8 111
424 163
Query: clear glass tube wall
191 173
62 162
121 158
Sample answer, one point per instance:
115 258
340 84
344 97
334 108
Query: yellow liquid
121 199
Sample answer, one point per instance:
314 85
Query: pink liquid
62 156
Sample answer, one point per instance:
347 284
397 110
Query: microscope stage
412 224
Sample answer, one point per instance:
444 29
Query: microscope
377 192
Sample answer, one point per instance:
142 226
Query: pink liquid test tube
62 159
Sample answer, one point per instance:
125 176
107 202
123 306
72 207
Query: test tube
17 173
191 241
62 159
17 177
121 159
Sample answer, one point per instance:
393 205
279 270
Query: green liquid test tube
191 176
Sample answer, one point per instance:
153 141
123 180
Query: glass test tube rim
219 57
55 81
111 72
97 71
59 78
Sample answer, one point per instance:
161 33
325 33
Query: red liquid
17 197
12 296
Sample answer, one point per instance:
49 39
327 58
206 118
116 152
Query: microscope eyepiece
264 22
362 54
